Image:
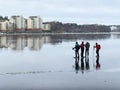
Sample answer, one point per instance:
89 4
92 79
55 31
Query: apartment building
19 22
4 26
30 24
34 23
46 26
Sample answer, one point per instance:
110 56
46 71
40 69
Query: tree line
74 28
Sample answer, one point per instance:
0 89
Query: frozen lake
46 62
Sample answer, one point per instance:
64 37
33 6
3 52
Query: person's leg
78 54
97 52
86 52
75 54
81 52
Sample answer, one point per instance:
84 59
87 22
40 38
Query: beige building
4 26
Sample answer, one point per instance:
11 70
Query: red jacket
82 46
97 47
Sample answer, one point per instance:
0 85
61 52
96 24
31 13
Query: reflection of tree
68 37
55 39
116 35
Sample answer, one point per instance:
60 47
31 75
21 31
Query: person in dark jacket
87 46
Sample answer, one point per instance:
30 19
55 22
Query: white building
6 26
30 24
46 26
19 22
34 22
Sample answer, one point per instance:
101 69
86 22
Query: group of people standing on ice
86 46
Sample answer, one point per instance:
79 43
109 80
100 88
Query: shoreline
59 33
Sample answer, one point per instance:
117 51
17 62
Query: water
46 62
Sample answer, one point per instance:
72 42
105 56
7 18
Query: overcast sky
66 11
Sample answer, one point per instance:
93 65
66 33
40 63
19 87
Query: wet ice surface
48 63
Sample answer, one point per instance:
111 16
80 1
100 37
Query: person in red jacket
97 46
82 49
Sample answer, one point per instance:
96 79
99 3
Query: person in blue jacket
76 48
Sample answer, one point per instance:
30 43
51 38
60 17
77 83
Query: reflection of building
19 45
13 45
16 43
37 43
34 43
30 42
3 42
46 39
20 42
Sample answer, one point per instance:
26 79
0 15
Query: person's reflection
87 62
97 63
77 67
82 65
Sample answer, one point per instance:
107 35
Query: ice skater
98 47
87 46
82 49
76 48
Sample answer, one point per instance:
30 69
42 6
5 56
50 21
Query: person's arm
94 46
73 48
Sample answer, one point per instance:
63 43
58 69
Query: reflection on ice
84 66
35 42
97 63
